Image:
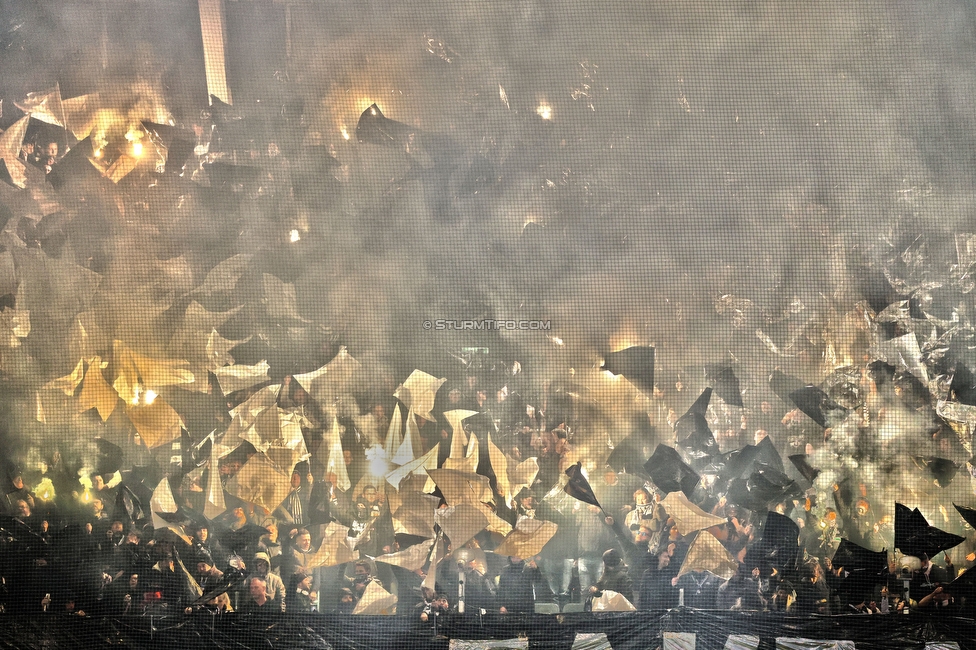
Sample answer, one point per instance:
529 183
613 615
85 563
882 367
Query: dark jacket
739 593
656 591
616 579
516 591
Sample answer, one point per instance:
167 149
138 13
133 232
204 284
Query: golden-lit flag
417 393
337 462
394 434
238 377
461 487
86 339
197 333
224 277
611 601
418 466
279 299
527 538
96 392
376 601
13 139
162 501
460 523
329 382
79 114
707 554
290 433
455 418
52 287
469 462
54 408
411 445
260 481
334 548
137 372
415 516
687 516
214 504
217 350
70 382
156 423
511 475
265 430
11 142
44 106
430 580
245 414
120 168
14 325
458 438
411 558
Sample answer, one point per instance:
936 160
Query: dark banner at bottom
679 629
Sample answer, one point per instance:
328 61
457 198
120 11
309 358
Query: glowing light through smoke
544 110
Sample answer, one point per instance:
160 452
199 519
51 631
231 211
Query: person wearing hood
274 587
614 577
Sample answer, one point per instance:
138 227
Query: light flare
45 490
544 110
294 236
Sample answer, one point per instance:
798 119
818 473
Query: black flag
578 487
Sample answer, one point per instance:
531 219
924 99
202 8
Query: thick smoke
727 182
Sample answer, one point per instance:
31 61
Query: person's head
272 529
663 559
258 588
134 580
262 564
296 480
345 596
643 535
51 149
561 441
116 528
526 499
303 540
611 558
362 570
642 497
610 476
18 482
369 494
22 508
439 602
202 533
133 537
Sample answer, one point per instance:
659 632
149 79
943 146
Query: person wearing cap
614 577
274 587
204 543
207 574
300 592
